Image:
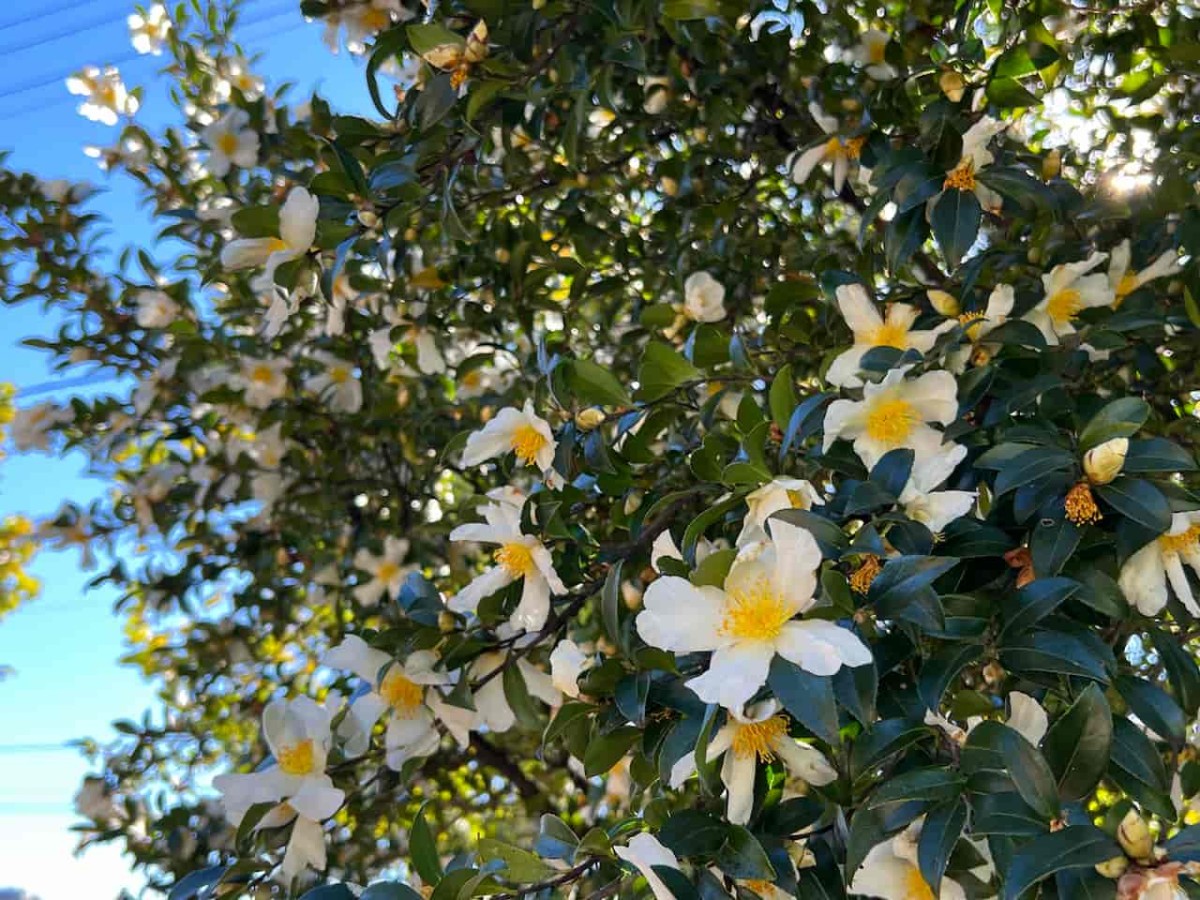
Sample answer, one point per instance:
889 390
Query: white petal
298 219
808 763
318 798
935 395
467 600
246 252
738 775
735 674
843 371
821 647
1143 580
806 162
355 655
533 610
680 617
858 310
1027 718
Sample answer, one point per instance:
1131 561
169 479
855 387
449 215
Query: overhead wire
45 14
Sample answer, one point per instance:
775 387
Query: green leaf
742 856
390 890
1054 652
662 371
1008 93
1154 706
516 692
1034 602
423 850
713 569
606 750
555 838
902 576
691 832
930 785
1030 465
1182 671
1076 847
1120 418
806 696
196 884
939 834
683 10
424 38
1078 744
257 221
1185 846
1030 773
1134 753
1157 455
782 397
955 220
521 866
1139 501
594 384
677 883
855 688
610 602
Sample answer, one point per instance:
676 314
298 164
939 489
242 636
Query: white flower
644 851
520 430
106 97
703 298
977 326
297 229
764 502
155 309
871 52
231 143
238 75
338 384
975 156
751 619
1068 291
403 691
657 94
836 151
1124 280
664 546
1145 575
387 571
149 32
759 736
492 710
567 663
1026 717
263 380
60 190
933 508
31 426
872 330
306 844
891 872
520 557
364 20
895 413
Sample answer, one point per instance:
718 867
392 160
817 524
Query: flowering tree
670 446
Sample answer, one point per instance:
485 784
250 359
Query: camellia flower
492 709
337 384
764 502
871 52
263 380
238 75
149 31
231 143
403 692
836 151
106 97
520 430
520 557
644 851
387 571
891 871
297 229
922 501
1124 280
365 20
895 413
760 735
703 298
1104 462
155 309
1146 574
872 330
458 58
978 325
567 663
751 619
31 426
1069 289
975 157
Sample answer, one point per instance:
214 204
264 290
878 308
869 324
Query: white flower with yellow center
567 663
365 20
872 330
337 384
978 325
975 157
148 31
1068 291
761 735
895 413
521 431
231 143
836 151
519 557
262 380
388 571
106 99
871 53
644 851
921 500
1123 279
238 75
764 502
751 619
703 298
891 872
1146 574
405 692
155 309
268 449
297 229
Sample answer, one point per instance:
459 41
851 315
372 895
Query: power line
47 387
19 46
45 14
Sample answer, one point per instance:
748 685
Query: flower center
1081 505
1063 306
472 379
375 19
516 558
297 759
527 442
759 738
876 52
971 322
401 694
864 575
890 334
227 143
262 374
797 500
1181 543
961 177
275 245
757 614
890 422
339 374
854 146
915 887
387 571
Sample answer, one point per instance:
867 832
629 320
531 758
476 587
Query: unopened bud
946 304
1133 834
633 502
1051 165
410 234
539 4
952 85
587 419
1104 463
1113 868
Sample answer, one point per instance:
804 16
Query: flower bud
587 419
1133 834
1113 868
633 501
1051 165
952 85
1104 463
946 304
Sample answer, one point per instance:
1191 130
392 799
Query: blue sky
64 647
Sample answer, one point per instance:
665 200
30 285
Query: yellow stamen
472 379
262 374
1127 285
854 146
516 558
387 571
759 738
1180 543
1081 505
798 500
757 614
227 143
759 886
971 322
459 76
961 178
890 334
339 374
297 759
375 19
1063 306
527 442
401 694
915 887
876 52
861 578
891 421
